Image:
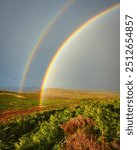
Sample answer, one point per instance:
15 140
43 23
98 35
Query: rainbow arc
74 34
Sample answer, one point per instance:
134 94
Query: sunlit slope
13 100
53 96
54 93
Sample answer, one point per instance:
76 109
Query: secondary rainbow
75 33
40 40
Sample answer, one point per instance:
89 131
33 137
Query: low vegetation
84 125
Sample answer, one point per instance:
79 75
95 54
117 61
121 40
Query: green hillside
69 119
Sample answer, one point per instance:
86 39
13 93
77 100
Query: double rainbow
44 34
40 40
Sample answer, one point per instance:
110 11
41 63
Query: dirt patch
7 115
12 94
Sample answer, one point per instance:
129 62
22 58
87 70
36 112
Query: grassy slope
15 101
12 100
99 113
53 93
65 128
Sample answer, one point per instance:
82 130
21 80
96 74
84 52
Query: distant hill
56 93
13 103
53 96
63 94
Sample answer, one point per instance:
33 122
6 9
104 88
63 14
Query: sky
90 60
21 24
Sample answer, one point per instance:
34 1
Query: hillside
68 119
56 93
15 101
14 104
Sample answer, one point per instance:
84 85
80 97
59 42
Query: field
69 120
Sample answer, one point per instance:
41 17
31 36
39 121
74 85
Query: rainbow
40 40
75 33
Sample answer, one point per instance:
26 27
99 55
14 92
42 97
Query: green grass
69 120
9 102
60 128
